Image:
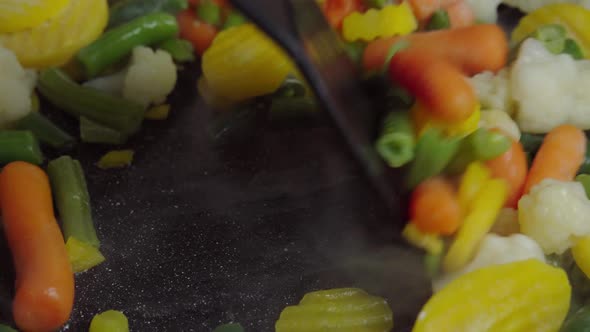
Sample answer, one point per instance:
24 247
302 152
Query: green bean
72 199
396 144
46 131
114 112
433 153
117 43
181 50
93 132
19 145
209 12
127 10
439 20
480 145
573 49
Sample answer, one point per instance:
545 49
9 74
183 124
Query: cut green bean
72 199
397 141
118 43
127 10
573 49
109 321
233 327
439 20
19 145
434 151
46 131
234 19
181 50
209 12
6 328
93 132
118 113
481 145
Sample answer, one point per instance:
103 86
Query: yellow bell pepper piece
432 243
242 62
485 206
17 15
389 21
423 121
581 253
574 18
475 177
55 42
82 256
522 296
116 159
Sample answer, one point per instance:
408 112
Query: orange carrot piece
437 84
336 10
460 14
511 166
559 157
434 207
44 279
473 49
199 33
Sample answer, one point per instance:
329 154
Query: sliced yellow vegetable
17 15
337 310
575 18
523 296
475 177
485 206
389 21
242 62
423 121
581 253
159 112
116 159
83 256
432 243
54 42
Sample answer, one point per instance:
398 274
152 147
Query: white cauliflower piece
554 214
501 120
16 87
528 6
485 10
496 250
111 84
151 76
549 90
493 90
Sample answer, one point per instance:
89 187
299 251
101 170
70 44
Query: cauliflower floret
151 76
493 91
501 120
554 214
528 6
549 90
485 10
496 250
16 87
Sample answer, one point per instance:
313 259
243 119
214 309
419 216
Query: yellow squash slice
17 15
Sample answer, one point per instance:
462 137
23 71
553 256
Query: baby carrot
559 157
44 279
434 207
474 48
437 84
512 167
199 33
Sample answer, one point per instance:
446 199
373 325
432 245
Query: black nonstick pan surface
230 218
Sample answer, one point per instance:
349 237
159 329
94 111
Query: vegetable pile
489 130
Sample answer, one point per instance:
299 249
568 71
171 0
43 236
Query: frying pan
227 218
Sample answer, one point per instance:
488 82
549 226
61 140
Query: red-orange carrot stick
437 84
559 157
44 279
511 166
473 49
434 207
198 33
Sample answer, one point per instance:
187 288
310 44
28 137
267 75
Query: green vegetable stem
181 50
439 20
127 10
433 153
480 145
117 43
46 131
72 199
19 145
397 141
114 112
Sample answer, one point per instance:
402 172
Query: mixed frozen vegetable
489 131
